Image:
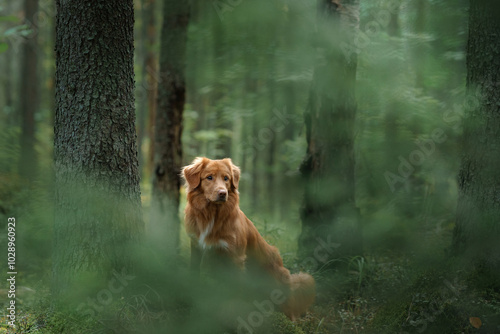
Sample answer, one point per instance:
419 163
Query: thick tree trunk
477 228
98 205
329 213
165 223
29 93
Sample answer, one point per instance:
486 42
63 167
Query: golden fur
214 220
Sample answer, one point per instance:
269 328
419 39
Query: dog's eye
226 178
209 177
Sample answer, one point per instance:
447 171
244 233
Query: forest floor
391 294
387 294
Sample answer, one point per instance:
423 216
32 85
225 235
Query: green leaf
3 47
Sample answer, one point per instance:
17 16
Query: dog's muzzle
221 196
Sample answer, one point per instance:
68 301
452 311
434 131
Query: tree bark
477 228
29 93
165 223
97 197
329 212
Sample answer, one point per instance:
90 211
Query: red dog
214 220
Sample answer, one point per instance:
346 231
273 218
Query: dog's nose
222 193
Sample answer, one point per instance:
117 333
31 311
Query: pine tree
477 227
329 212
165 223
97 196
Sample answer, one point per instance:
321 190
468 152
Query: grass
390 293
370 295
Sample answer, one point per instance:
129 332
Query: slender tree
290 93
7 80
392 107
147 105
195 57
393 28
168 125
152 70
29 92
420 53
329 213
270 184
97 198
222 121
477 228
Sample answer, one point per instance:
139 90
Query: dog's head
216 179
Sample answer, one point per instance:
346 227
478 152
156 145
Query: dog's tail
302 294
301 288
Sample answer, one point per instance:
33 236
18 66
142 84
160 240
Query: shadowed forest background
366 132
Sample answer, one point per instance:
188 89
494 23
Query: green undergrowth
444 300
385 294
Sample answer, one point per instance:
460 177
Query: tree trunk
329 213
477 228
153 79
165 223
8 82
420 52
29 93
223 123
393 28
270 185
97 198
391 109
147 103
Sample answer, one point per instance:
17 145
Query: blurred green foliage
247 67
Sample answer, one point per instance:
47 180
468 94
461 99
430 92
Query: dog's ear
236 173
191 173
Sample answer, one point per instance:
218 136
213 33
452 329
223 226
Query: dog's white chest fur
202 241
203 235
